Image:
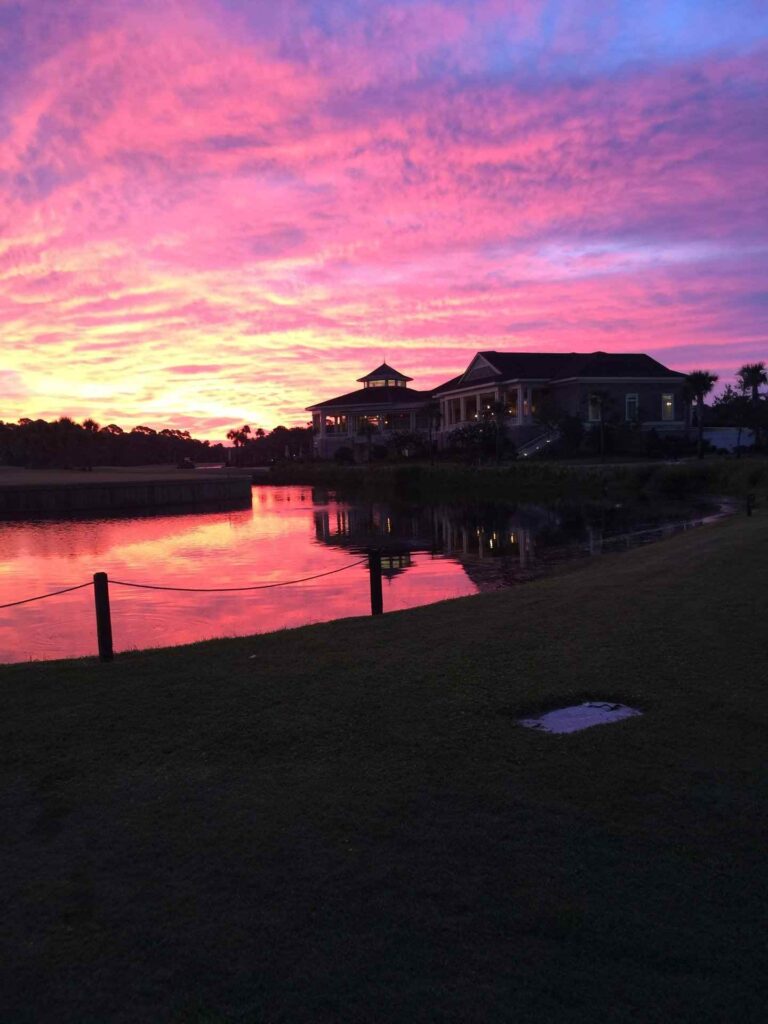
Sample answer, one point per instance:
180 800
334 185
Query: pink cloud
275 203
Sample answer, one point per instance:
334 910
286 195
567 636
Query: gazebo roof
384 372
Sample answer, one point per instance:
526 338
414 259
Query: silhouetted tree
605 404
751 377
700 384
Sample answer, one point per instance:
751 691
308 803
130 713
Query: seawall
124 494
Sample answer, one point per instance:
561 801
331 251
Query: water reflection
466 535
428 553
275 540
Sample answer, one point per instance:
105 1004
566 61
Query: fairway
345 823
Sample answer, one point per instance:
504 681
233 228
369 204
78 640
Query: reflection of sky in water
275 540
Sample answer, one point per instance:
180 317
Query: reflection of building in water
393 563
481 542
500 539
395 533
376 525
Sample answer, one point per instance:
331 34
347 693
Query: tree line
258 447
63 443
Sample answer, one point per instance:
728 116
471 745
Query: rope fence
42 597
226 590
100 584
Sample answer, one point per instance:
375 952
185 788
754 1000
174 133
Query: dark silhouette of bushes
65 444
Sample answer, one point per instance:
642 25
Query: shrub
344 456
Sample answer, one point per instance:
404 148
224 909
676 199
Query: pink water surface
274 540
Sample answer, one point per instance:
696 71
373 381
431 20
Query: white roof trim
476 360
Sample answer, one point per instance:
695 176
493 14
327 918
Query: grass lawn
344 822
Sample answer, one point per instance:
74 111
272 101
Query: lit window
594 408
667 407
336 424
632 408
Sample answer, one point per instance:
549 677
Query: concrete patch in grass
580 716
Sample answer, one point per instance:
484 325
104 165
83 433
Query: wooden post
374 568
103 617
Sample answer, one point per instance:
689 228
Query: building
383 406
520 386
590 386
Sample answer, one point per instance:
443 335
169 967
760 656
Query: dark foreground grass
344 823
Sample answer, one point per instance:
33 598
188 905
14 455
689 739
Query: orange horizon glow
216 213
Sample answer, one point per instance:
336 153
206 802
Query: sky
221 211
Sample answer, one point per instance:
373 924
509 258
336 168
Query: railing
101 583
537 444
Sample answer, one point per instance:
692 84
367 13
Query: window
510 401
454 411
367 424
388 383
667 407
336 424
470 408
595 408
631 408
397 421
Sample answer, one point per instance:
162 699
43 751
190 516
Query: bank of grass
344 823
540 480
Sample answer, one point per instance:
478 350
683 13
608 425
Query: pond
429 553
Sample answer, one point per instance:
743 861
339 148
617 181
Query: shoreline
50 493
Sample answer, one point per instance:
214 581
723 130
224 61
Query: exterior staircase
537 444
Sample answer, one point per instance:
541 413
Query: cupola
384 376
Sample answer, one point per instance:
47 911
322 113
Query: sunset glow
219 211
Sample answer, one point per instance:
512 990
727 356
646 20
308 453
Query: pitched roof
552 366
447 385
374 398
615 364
384 372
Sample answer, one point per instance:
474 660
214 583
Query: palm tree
699 384
751 377
498 413
239 437
604 404
91 428
434 417
367 428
